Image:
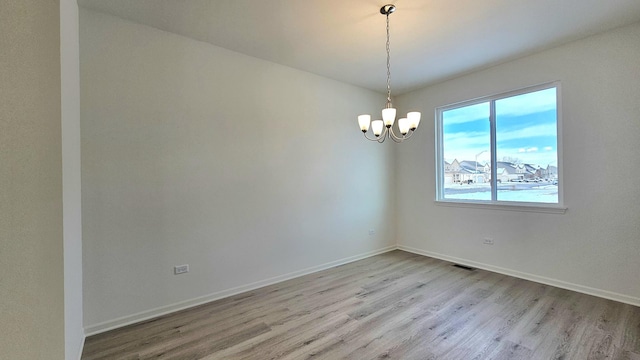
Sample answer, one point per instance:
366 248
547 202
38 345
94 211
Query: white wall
244 169
72 222
594 247
31 235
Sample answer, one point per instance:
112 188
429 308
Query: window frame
497 204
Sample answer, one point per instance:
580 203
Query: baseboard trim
163 310
526 276
84 338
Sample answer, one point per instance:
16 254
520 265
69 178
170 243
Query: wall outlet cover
181 269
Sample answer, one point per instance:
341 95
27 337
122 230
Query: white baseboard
539 279
163 310
84 338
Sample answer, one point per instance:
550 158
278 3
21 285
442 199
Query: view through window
500 149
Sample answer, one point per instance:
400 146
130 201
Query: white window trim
558 208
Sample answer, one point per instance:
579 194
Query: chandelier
383 129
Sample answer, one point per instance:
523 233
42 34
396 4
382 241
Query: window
500 149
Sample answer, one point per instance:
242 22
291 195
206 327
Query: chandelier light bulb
389 116
414 119
403 126
377 126
364 121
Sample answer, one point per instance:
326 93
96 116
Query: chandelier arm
403 137
383 136
379 139
396 138
409 134
370 139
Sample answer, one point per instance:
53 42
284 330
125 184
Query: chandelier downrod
387 10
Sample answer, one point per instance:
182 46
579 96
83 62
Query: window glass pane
466 143
526 147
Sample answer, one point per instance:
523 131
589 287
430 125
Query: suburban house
508 171
466 171
188 180
461 172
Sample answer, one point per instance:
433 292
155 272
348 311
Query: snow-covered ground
531 192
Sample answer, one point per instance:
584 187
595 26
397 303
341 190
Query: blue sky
526 129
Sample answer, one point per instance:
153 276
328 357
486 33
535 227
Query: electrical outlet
487 241
372 232
181 269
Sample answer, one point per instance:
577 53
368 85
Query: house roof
471 165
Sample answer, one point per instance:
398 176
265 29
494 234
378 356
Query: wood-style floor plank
392 306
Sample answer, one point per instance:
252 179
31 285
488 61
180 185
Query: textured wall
595 245
244 169
31 241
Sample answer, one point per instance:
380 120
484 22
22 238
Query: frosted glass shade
364 121
388 116
414 119
377 126
403 125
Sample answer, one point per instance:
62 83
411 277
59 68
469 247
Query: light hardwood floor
392 306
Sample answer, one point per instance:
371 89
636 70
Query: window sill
523 207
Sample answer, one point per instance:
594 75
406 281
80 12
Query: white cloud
466 145
466 114
530 103
528 132
524 104
542 158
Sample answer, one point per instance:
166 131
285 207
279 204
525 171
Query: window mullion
494 161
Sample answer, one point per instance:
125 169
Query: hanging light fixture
383 129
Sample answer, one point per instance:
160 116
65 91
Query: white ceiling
431 40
